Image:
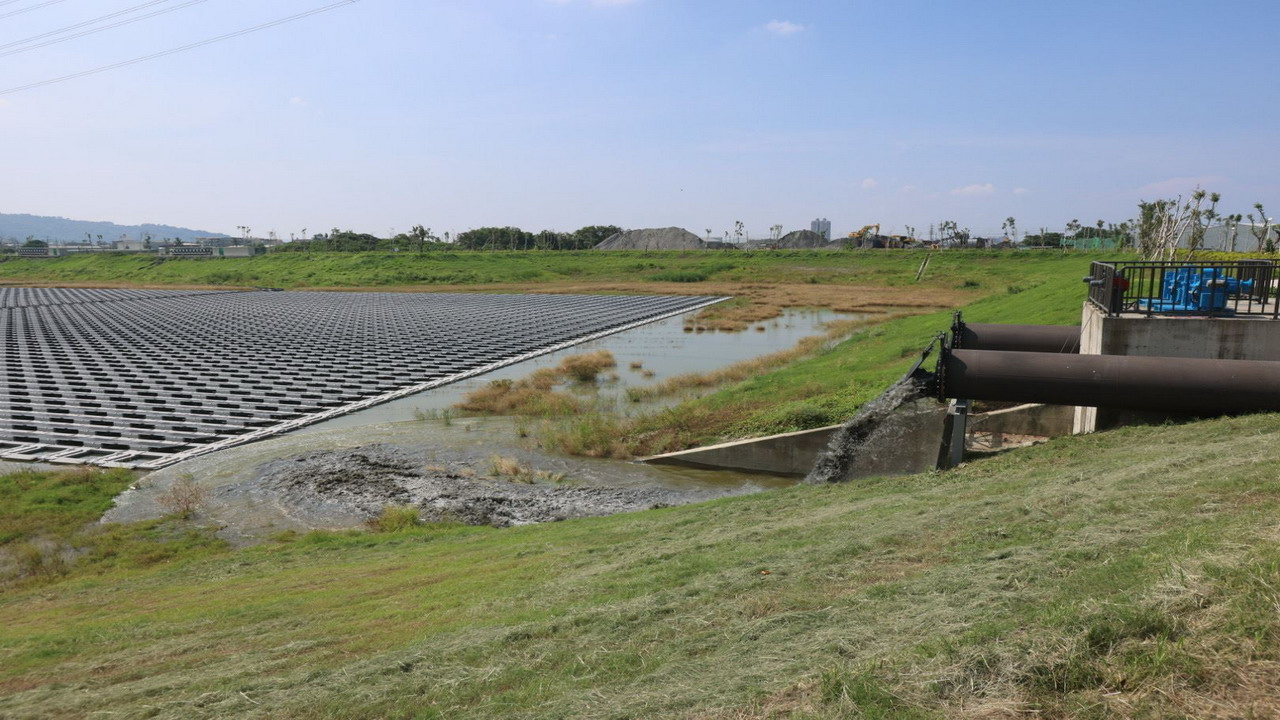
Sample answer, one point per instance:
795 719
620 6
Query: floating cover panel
145 378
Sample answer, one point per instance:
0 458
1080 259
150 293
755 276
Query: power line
172 51
91 31
59 31
37 6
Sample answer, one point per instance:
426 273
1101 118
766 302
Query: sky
377 115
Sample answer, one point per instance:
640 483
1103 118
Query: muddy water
241 501
662 348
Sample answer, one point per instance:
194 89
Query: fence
1243 287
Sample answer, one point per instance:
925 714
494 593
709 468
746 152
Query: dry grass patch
516 471
754 302
184 498
757 302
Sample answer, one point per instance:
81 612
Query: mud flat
360 482
341 478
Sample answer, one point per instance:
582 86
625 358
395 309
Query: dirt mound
799 239
672 238
361 481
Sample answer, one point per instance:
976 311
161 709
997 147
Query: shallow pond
419 423
662 348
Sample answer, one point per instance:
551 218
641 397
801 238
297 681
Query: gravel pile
672 238
802 239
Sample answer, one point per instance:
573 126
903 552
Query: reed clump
395 518
533 395
515 471
536 394
587 366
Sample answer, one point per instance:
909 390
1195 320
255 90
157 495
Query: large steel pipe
1017 338
1184 385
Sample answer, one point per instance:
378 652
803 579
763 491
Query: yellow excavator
866 231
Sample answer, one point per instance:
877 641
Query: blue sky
555 114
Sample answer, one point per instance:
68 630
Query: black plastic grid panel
146 378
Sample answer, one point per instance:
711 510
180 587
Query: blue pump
1198 290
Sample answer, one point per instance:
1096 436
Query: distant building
128 245
220 241
205 251
822 226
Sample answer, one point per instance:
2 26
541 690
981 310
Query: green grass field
987 269
1129 573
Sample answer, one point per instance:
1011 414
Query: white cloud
975 189
1020 191
783 27
869 183
908 189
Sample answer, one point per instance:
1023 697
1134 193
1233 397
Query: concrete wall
1031 419
1221 338
908 443
791 453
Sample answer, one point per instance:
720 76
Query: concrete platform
1240 337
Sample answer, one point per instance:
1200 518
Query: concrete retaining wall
794 453
787 454
1031 419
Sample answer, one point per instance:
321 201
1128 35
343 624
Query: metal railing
1219 289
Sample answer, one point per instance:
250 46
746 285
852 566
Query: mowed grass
1130 573
48 528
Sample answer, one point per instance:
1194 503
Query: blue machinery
1198 290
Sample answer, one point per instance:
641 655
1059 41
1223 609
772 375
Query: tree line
420 239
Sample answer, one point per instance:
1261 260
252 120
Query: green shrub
395 518
680 276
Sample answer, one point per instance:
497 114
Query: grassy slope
1130 572
831 386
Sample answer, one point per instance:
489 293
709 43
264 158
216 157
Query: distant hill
17 226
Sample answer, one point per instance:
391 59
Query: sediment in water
361 481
